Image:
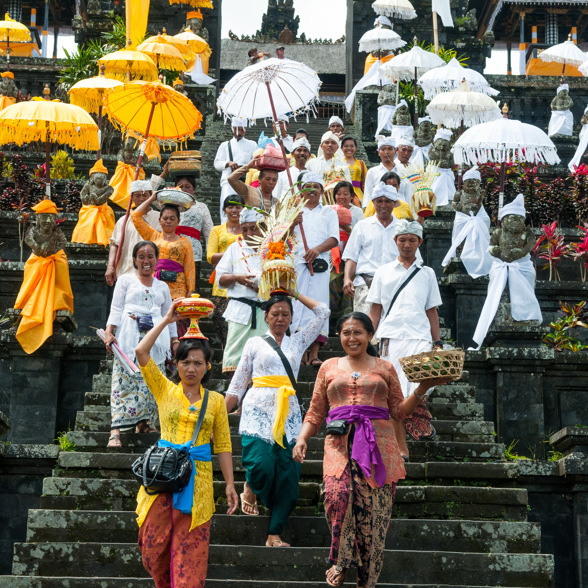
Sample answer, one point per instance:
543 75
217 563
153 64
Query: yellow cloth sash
6 101
95 225
124 174
282 402
371 59
45 289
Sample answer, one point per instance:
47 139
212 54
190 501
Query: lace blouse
258 360
197 217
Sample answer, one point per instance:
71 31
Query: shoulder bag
402 286
272 343
166 469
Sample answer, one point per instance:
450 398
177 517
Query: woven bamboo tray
185 162
433 364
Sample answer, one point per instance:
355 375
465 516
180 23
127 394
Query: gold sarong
95 225
124 174
285 390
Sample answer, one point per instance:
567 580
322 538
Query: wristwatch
438 343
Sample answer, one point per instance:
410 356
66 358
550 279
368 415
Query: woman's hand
232 498
109 339
299 451
171 316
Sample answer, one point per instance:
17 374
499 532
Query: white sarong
385 114
520 275
561 123
582 146
475 231
420 155
444 186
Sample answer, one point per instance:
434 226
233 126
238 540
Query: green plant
62 167
510 454
116 38
82 64
550 249
554 455
64 442
564 337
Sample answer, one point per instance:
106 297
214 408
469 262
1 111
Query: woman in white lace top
271 418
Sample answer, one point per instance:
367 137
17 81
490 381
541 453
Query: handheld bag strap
272 343
405 283
230 150
200 418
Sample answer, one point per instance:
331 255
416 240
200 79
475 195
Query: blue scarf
184 499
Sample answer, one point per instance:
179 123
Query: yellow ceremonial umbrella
198 45
15 31
165 56
182 46
194 3
89 95
49 121
152 109
129 63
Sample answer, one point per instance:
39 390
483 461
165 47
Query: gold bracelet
419 396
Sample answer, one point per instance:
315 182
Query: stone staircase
459 518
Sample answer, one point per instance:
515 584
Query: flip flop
316 362
277 543
114 441
252 506
340 577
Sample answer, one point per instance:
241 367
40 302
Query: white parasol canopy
450 76
584 68
462 107
412 63
283 85
380 39
402 9
567 52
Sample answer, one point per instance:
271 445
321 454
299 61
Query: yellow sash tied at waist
121 180
95 225
45 289
282 402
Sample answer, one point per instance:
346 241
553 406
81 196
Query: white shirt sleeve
369 186
242 376
118 300
434 296
222 157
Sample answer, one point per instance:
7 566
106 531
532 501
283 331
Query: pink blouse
377 386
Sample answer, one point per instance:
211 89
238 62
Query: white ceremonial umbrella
462 108
504 141
268 89
450 76
402 9
380 39
566 53
411 65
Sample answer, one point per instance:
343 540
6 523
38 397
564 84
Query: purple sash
168 265
365 447
356 183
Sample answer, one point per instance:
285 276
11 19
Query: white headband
563 87
443 134
472 174
330 135
382 189
423 119
517 206
401 103
312 178
238 122
137 186
382 140
336 119
302 142
383 21
249 215
405 140
404 227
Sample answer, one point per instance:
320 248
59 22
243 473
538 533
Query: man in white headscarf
472 229
321 228
232 155
336 126
300 154
239 272
404 296
404 149
518 273
330 162
281 129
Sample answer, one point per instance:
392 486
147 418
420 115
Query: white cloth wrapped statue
401 121
510 245
423 141
440 154
562 120
582 143
471 227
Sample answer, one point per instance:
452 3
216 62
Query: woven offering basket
433 364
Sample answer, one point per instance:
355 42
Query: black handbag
168 276
144 323
166 469
338 427
319 265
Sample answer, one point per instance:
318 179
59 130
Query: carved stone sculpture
387 96
562 101
45 238
441 154
470 198
424 133
513 240
128 154
8 87
179 87
96 190
196 25
402 116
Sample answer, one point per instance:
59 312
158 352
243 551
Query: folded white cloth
385 115
444 186
561 123
582 146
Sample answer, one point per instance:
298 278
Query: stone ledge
63 318
571 440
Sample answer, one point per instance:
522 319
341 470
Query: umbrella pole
47 170
563 69
435 33
416 100
137 170
287 163
7 51
99 152
501 193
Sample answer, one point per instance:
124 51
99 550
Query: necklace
355 376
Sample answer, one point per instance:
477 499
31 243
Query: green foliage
117 38
554 455
510 454
62 167
563 337
64 442
82 64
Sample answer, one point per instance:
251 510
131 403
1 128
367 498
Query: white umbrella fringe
473 155
454 119
402 9
379 39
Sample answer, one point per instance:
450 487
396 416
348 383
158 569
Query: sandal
146 428
252 506
316 362
114 441
277 543
405 458
339 576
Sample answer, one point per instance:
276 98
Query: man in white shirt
281 129
321 228
387 153
140 191
404 149
300 154
231 155
336 126
408 323
330 162
371 245
239 271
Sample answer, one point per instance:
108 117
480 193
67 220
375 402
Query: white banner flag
442 8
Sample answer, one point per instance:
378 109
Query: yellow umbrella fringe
84 139
193 3
87 103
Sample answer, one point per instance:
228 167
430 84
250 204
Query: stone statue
179 87
195 23
470 198
387 95
441 154
513 240
8 87
128 154
561 122
424 133
562 101
402 116
45 238
96 190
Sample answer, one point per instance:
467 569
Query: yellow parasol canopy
89 93
129 61
48 121
164 55
152 109
194 3
198 45
182 46
12 30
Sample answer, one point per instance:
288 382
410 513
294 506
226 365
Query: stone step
413 499
417 535
419 451
246 562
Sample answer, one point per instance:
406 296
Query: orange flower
276 251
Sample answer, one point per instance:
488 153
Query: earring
208 367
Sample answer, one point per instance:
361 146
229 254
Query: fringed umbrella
128 64
380 39
504 141
165 56
15 31
402 9
566 53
